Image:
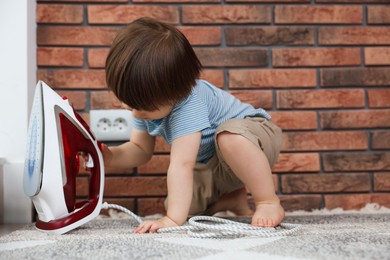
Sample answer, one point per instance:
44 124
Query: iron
57 138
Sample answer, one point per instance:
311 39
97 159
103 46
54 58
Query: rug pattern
354 236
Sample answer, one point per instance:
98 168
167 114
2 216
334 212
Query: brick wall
322 69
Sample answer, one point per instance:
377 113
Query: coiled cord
213 227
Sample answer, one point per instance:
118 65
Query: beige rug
325 234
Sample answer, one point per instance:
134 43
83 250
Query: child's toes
260 222
256 222
264 222
267 222
271 223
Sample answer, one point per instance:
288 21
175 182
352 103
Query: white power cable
105 205
213 227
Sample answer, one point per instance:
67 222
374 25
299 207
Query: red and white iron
57 136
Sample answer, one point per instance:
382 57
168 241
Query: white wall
17 82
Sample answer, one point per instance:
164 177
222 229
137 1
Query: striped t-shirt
203 110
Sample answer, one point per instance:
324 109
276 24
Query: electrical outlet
111 124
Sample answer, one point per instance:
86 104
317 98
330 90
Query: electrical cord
213 227
105 205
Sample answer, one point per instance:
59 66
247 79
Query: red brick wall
321 67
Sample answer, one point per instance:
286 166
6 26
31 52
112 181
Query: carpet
324 235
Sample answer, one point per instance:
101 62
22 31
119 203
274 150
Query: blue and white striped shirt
203 110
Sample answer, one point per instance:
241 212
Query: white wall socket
111 124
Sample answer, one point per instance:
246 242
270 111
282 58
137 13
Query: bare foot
268 214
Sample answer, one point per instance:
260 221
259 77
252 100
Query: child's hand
153 225
84 158
107 154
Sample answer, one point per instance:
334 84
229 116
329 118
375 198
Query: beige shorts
215 178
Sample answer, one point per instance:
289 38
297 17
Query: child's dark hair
151 64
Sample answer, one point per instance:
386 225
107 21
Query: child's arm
131 154
180 183
180 176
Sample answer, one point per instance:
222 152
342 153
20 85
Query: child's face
161 112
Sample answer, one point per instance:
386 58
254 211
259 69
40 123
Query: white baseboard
16 206
2 161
